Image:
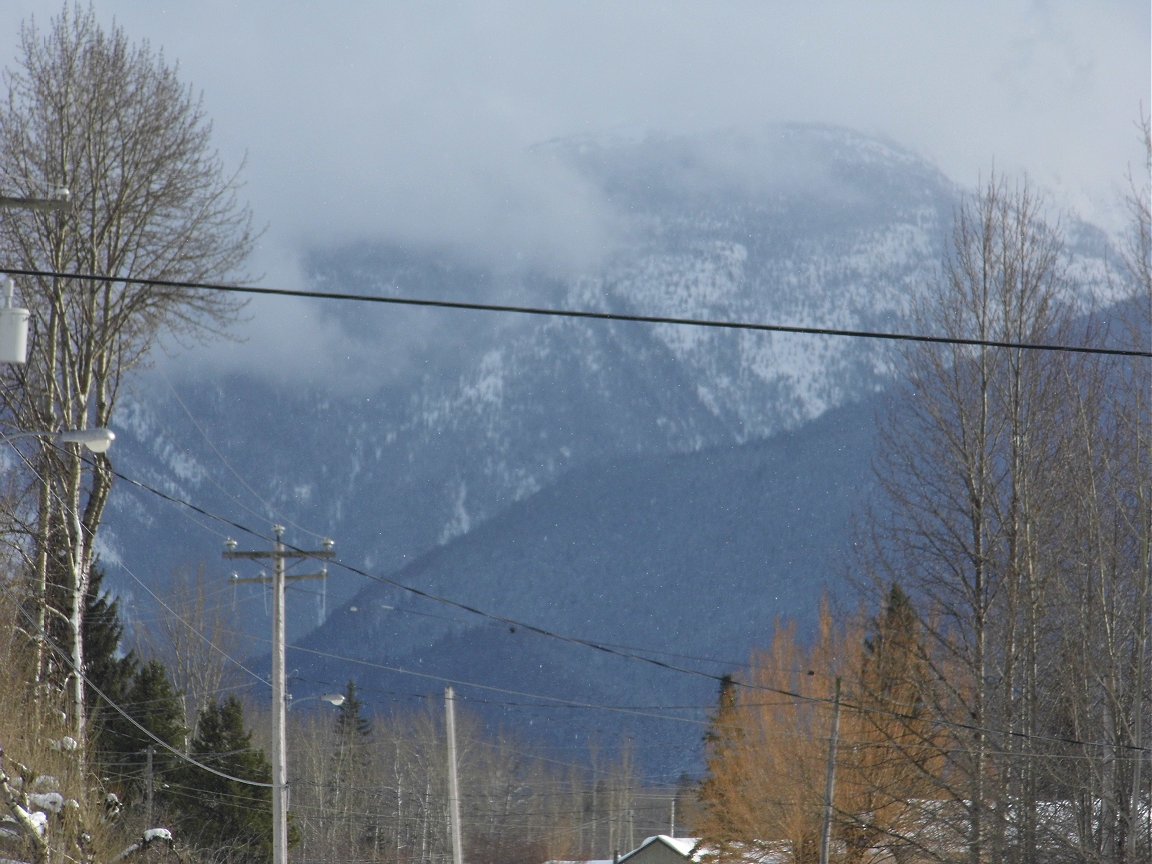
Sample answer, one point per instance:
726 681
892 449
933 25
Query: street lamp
98 439
336 699
13 319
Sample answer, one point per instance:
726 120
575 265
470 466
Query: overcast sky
413 120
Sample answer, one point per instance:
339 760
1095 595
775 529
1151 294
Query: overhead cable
627 655
542 311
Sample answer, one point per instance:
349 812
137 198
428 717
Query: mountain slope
656 486
797 225
675 559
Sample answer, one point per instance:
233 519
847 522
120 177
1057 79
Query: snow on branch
151 837
32 823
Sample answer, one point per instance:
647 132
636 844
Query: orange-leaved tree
771 738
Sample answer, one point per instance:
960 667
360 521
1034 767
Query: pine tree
109 668
350 719
351 764
231 818
145 693
111 671
725 741
152 703
888 769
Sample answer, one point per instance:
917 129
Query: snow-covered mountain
807 225
798 225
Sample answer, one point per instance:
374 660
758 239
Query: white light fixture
60 200
13 329
98 440
336 699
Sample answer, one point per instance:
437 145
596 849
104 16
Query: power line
606 649
151 736
541 311
269 508
542 631
63 655
791 694
195 631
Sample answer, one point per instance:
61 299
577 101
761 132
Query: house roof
695 852
684 846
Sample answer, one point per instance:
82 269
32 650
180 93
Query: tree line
996 701
362 787
138 740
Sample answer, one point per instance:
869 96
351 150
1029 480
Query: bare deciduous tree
111 122
195 641
1017 485
384 797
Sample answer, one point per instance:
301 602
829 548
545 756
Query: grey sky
414 121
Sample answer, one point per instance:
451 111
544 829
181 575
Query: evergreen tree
895 671
111 671
231 818
145 693
109 668
893 757
355 831
350 719
153 703
725 743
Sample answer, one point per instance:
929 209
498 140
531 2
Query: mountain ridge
490 411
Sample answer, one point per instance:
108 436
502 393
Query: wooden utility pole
453 779
279 691
149 787
830 779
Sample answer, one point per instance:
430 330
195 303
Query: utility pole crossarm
254 555
265 579
286 553
327 552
